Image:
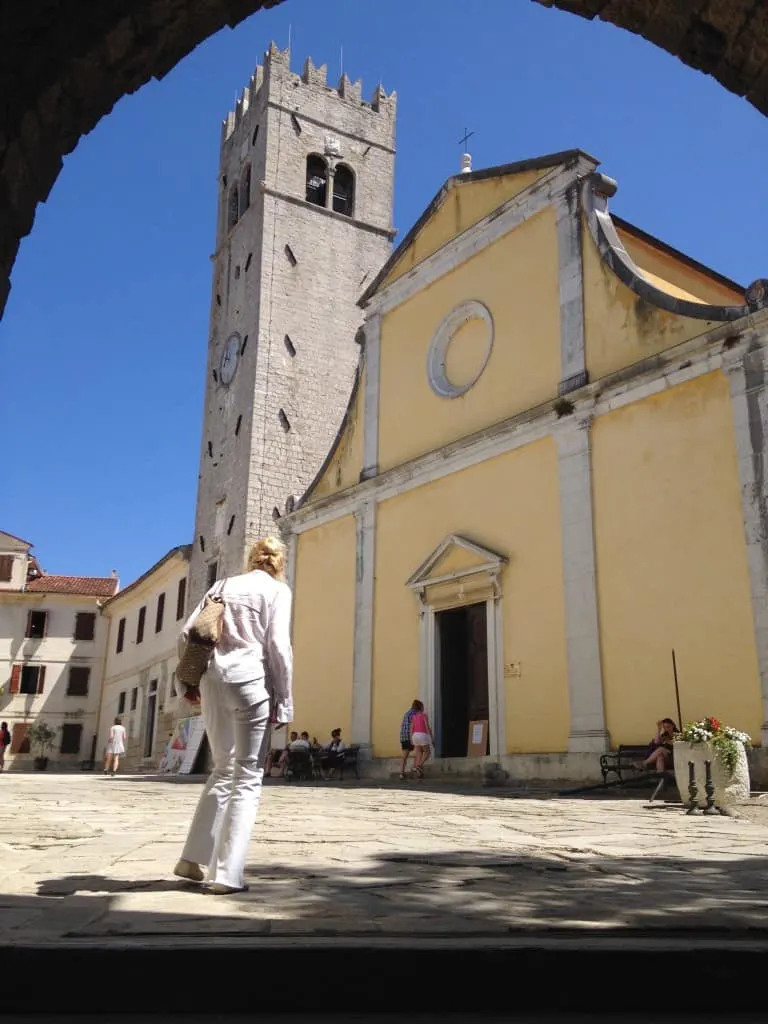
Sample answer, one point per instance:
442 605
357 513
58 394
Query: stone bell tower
305 197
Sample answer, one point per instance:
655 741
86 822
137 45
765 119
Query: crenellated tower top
276 72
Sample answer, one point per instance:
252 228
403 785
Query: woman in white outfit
248 685
115 747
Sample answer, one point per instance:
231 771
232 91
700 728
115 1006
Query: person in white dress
115 747
247 686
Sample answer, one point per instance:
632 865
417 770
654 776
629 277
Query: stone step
540 975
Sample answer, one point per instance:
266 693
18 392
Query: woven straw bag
204 634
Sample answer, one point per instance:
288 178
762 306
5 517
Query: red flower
714 724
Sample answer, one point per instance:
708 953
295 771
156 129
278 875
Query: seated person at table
333 754
295 742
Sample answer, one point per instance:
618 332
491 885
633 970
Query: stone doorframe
441 591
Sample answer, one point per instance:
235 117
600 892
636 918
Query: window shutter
15 679
45 625
41 679
28 630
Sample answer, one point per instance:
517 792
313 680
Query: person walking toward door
5 742
115 747
405 736
247 686
421 737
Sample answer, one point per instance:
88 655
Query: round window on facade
460 350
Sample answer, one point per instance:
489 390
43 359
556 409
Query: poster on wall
183 747
477 740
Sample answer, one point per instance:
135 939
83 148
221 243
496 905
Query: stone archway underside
65 63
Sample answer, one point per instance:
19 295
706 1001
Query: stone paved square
89 858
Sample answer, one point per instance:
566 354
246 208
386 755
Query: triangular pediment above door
454 558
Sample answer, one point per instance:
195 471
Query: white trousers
236 721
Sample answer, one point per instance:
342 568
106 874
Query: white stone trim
749 403
655 374
292 545
438 348
371 397
489 229
492 565
587 731
501 683
362 677
573 372
429 662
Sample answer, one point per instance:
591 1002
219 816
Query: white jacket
255 642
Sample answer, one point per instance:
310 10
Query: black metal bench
622 760
623 764
350 760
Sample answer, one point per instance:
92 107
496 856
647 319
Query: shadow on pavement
410 933
515 789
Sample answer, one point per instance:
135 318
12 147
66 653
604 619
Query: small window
344 190
6 568
181 599
231 524
172 685
31 679
121 703
238 425
213 570
71 738
285 423
77 684
291 348
36 622
120 636
317 180
134 698
233 210
160 613
245 190
140 624
85 625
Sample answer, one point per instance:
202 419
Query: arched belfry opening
344 190
317 180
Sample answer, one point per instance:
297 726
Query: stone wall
286 280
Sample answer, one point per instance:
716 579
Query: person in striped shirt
405 735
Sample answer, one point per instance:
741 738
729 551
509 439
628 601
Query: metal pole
677 691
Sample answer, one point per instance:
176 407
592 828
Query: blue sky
103 342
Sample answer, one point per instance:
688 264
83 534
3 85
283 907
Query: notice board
477 739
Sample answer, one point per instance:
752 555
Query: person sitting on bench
659 754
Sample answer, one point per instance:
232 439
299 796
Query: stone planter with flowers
723 746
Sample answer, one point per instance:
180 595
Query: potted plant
41 737
725 748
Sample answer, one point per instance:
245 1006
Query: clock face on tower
229 359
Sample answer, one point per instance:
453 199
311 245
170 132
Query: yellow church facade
550 475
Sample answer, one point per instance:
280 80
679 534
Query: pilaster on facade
573 373
371 397
749 401
587 732
362 680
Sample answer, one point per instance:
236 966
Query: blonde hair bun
268 554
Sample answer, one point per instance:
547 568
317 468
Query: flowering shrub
724 739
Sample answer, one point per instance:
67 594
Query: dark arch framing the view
65 66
